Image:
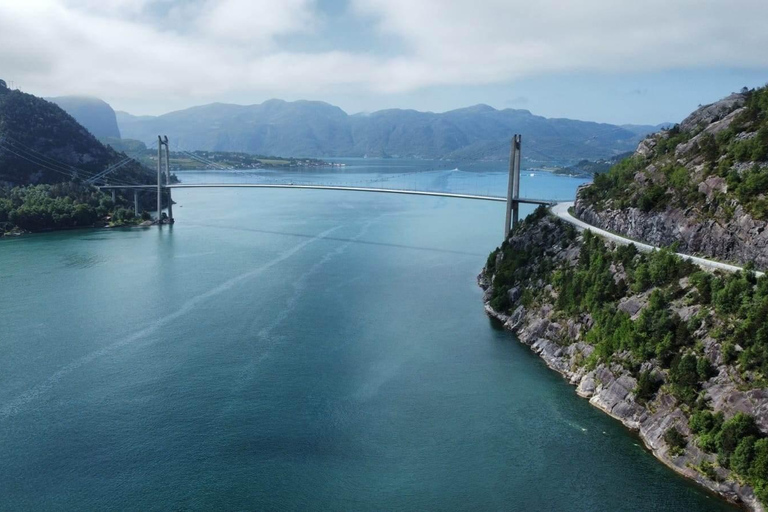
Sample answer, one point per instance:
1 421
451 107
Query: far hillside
317 129
94 114
591 167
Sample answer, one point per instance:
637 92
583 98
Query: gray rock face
708 114
514 295
742 240
711 185
632 305
612 391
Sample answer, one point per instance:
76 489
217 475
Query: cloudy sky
622 61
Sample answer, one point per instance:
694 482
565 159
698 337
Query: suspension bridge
164 185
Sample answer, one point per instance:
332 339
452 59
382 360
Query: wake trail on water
299 285
15 405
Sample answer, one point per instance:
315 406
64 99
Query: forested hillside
45 158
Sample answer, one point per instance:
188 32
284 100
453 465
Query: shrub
651 198
675 440
731 434
647 386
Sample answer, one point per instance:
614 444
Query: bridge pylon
513 187
162 142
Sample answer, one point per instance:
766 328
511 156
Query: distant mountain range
317 129
644 129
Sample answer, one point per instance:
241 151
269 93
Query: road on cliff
561 211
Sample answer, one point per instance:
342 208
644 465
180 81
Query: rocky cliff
648 339
702 185
94 114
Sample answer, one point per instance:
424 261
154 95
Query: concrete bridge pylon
513 187
162 142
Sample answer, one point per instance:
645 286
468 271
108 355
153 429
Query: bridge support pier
114 196
513 187
136 203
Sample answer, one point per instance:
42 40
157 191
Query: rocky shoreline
611 389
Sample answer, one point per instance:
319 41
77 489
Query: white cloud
461 41
209 50
110 7
247 21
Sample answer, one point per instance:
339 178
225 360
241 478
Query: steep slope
41 143
306 128
96 115
702 185
44 157
676 353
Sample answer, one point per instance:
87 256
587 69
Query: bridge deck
524 200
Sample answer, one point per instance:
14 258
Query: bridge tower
513 187
162 142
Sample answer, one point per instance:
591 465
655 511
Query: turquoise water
480 178
295 350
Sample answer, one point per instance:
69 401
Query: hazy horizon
715 93
362 113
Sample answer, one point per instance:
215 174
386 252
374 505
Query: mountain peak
480 108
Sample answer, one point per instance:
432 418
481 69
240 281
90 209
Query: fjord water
296 350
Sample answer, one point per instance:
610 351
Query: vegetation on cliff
676 329
731 145
702 184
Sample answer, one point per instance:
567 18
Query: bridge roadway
522 200
558 208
